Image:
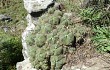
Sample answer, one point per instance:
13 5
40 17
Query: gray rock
36 5
5 18
24 65
28 29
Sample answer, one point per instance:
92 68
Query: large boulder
36 5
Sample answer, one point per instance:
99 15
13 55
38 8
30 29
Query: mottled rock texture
36 5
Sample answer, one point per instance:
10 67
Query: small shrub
11 51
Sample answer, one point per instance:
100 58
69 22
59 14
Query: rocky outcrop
24 65
37 5
28 29
31 6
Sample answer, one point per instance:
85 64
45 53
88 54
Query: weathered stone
24 65
5 18
28 29
36 5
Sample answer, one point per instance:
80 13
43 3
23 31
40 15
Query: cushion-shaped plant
54 20
40 40
46 28
51 10
52 39
58 13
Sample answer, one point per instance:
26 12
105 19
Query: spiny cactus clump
50 40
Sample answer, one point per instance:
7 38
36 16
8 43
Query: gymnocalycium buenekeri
52 36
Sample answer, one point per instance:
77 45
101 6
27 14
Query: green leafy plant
65 21
90 16
102 38
98 18
10 51
95 16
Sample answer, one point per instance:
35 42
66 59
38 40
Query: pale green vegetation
52 38
102 38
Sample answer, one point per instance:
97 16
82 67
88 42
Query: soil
86 57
